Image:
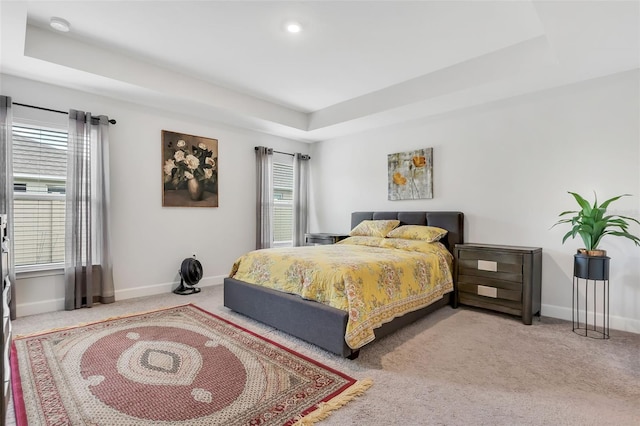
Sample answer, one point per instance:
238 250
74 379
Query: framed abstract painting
189 170
410 175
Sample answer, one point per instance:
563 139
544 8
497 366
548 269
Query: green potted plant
592 223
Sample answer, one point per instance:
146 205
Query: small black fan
190 275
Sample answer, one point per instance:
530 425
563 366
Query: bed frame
324 325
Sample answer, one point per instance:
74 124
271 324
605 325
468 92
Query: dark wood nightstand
502 278
323 238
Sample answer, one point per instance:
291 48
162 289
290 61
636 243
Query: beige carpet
455 367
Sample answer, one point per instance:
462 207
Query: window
39 173
282 200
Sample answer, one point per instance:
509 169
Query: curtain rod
278 152
112 121
308 157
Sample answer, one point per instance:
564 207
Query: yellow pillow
374 228
418 232
362 241
416 245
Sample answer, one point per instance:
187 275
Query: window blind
282 203
39 173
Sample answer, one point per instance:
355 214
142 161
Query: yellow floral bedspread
374 281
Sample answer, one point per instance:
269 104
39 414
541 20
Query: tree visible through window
40 174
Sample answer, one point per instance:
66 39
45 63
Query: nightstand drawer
491 256
504 272
506 306
493 265
493 290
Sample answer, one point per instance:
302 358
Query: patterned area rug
179 365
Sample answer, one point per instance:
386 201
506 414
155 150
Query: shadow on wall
557 279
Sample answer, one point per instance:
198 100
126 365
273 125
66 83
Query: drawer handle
483 290
486 265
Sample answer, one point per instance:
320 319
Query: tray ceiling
355 66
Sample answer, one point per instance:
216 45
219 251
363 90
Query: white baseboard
154 289
615 322
52 305
42 307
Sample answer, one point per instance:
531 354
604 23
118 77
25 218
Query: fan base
186 290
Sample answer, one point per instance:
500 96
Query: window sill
39 270
276 244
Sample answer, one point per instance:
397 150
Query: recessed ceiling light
59 24
293 27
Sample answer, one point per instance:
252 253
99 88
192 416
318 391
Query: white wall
150 241
508 167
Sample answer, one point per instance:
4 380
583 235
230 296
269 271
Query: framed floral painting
411 175
189 170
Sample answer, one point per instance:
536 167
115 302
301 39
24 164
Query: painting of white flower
189 170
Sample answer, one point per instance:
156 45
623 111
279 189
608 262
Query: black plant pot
591 267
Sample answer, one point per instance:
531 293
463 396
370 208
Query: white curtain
300 197
264 196
6 187
88 268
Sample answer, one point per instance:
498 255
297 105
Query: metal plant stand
593 272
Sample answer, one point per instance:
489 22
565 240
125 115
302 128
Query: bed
326 326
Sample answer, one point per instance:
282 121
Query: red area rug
180 365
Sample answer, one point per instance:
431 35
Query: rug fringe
53 330
326 408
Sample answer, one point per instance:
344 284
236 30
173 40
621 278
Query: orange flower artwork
410 175
419 161
398 179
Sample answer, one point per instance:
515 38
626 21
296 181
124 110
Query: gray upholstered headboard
451 221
